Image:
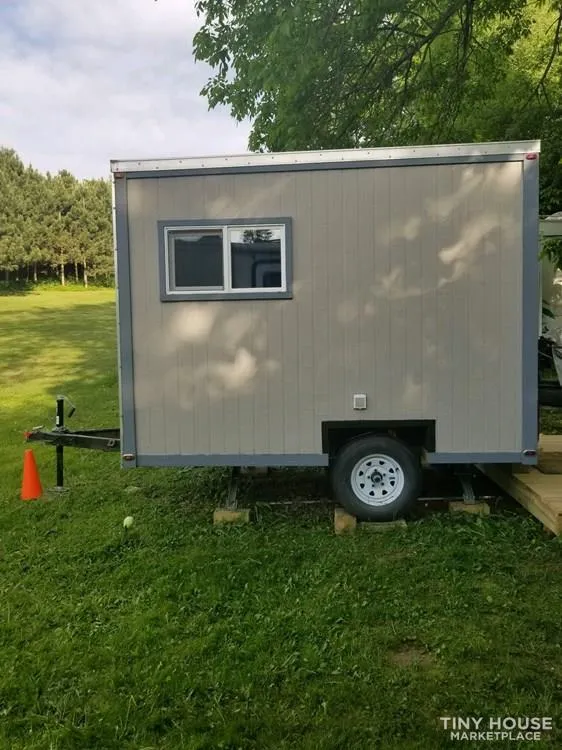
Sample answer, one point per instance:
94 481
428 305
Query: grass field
273 636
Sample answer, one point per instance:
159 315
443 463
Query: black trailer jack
106 439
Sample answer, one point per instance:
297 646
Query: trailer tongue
101 440
105 439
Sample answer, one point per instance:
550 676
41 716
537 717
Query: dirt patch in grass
409 656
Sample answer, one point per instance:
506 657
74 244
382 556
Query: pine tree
53 225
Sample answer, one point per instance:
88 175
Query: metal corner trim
124 321
530 304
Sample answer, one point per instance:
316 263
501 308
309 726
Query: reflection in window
256 257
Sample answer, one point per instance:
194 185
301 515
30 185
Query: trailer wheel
376 478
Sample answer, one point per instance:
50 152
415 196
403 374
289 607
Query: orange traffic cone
31 484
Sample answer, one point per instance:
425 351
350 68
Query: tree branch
555 44
406 58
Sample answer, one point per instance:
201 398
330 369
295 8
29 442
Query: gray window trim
260 294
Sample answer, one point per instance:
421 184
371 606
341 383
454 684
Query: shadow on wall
394 323
238 355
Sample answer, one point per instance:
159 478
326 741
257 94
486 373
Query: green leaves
333 74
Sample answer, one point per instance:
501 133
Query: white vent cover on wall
359 400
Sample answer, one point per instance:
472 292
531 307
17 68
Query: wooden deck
538 489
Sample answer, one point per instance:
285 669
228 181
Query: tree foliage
351 73
53 225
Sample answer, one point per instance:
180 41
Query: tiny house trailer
366 310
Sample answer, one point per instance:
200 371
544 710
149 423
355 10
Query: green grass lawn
272 636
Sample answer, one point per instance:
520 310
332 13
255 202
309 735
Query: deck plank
551 443
540 494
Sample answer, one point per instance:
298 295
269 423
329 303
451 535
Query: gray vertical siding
406 286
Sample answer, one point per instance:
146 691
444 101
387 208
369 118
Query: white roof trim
289 158
551 226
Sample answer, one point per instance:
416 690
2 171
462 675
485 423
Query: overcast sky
85 81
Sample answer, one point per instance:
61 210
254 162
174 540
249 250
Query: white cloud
85 82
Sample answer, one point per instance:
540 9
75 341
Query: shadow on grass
47 350
13 290
22 288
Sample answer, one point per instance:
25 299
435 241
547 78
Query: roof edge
328 156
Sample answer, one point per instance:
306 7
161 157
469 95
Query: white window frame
169 250
227 290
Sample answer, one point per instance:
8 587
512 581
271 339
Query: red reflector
531 157
26 434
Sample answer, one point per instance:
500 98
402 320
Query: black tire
550 395
360 449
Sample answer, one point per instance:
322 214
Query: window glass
197 259
255 257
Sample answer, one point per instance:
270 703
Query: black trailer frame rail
104 440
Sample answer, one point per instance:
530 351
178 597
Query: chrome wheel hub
377 479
